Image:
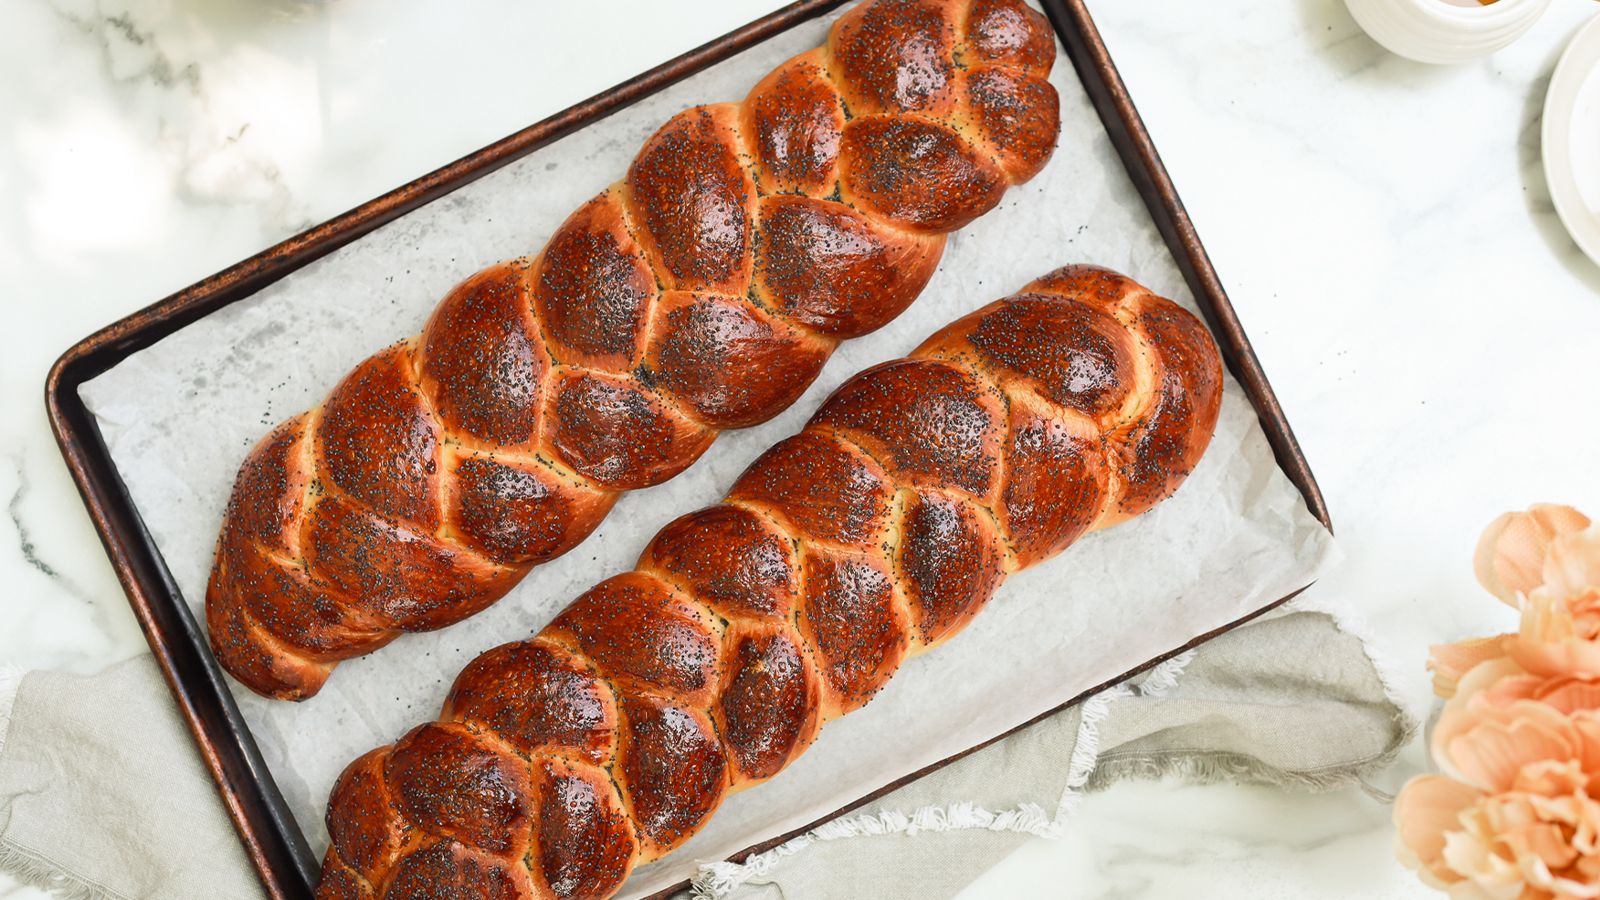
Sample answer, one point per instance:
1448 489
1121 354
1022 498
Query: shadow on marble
1351 53
1536 186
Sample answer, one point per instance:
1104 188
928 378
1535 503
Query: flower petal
1469 890
1427 808
1510 555
1572 563
1472 855
1555 657
1449 662
1544 842
1552 783
1569 695
1491 754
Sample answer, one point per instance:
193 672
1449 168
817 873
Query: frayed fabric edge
34 871
1390 675
1164 677
1212 768
1345 618
1027 817
1086 749
10 683
27 867
717 880
1219 767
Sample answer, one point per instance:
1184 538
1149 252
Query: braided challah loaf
874 534
703 292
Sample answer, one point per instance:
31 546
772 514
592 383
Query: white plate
1571 138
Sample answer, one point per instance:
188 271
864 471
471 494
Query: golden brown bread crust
703 292
874 534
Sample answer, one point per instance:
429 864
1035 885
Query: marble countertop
1383 228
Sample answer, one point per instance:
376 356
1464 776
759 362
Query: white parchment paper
179 418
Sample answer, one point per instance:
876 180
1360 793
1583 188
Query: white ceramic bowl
1570 138
1435 31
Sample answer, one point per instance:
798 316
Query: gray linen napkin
103 795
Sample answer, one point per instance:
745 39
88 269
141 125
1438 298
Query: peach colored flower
1560 633
1510 563
1511 552
1428 809
1504 718
1535 841
1516 816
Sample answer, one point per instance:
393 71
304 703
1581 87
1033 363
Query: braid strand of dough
703 292
876 533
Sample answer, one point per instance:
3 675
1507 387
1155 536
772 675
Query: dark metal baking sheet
270 835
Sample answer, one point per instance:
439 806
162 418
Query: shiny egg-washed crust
703 292
876 533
